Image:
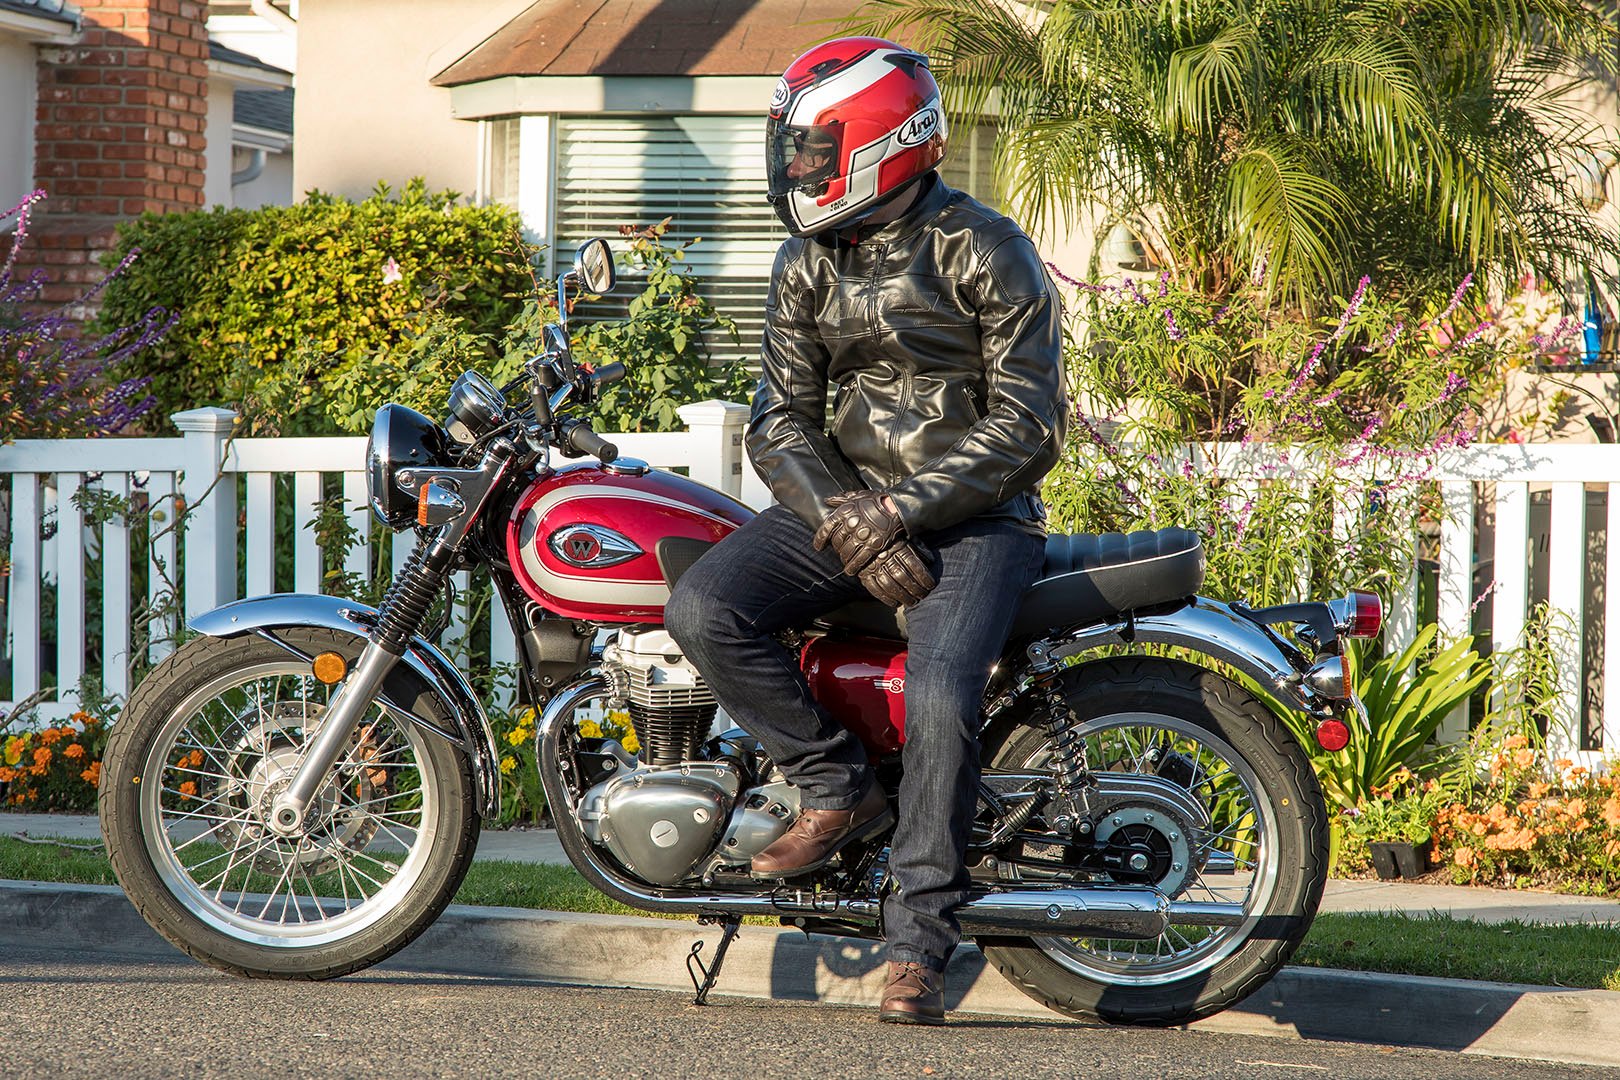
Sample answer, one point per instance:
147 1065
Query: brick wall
119 130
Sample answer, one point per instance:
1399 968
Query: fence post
717 435
210 529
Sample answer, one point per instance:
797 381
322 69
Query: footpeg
711 973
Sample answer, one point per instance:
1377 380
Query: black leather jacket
941 332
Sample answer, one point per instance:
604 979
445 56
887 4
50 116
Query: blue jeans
765 578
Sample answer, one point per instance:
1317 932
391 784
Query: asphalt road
139 1018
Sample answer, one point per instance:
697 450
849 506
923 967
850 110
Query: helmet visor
800 159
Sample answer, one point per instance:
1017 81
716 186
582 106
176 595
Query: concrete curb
1578 1026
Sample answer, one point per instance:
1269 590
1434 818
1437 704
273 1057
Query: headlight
400 437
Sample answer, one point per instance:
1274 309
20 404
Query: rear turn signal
1363 614
1332 735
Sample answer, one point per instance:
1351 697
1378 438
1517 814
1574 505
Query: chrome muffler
1098 911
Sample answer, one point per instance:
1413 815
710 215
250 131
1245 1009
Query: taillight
1363 614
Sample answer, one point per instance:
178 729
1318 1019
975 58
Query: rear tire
160 826
1063 976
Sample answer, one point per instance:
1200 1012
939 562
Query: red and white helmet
851 122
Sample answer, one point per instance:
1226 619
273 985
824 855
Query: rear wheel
1262 843
191 769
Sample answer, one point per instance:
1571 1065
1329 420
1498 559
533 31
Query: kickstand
728 925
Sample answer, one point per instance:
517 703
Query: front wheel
191 769
1262 842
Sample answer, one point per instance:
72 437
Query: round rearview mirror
593 265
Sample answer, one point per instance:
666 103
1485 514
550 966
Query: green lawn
1575 956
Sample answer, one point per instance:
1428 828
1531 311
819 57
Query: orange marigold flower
1562 763
188 789
1463 856
17 798
195 760
1515 742
1538 789
1580 825
42 756
1523 759
1611 812
1579 771
7 774
1576 808
74 750
92 774
49 736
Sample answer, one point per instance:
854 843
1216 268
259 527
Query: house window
504 142
705 173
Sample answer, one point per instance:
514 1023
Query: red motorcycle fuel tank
861 681
584 541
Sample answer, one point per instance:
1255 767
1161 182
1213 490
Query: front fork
398 619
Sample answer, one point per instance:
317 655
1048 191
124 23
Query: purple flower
1170 324
1456 298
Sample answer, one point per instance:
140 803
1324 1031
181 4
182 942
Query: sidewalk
1463 902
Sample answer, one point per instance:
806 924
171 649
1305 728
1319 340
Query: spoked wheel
195 763
1242 822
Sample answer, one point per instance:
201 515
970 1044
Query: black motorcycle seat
1088 577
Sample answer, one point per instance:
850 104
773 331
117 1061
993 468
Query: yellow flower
590 729
515 737
630 742
619 716
508 763
14 749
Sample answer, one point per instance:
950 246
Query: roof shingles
649 37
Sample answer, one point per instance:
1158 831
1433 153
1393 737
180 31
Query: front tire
1279 836
190 771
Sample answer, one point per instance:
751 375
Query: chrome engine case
661 822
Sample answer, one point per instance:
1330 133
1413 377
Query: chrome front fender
263 615
1215 630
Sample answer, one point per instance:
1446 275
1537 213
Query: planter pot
1393 860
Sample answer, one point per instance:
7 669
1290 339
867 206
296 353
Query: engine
688 807
671 707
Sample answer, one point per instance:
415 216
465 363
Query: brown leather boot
915 994
818 834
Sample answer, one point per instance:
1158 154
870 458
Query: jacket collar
929 202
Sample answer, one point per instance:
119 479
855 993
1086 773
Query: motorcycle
297 791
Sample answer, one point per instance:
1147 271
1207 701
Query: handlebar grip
608 373
586 441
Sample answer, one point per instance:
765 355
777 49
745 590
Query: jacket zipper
905 376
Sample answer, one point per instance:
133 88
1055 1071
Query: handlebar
607 373
579 437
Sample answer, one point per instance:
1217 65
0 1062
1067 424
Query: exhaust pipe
1100 911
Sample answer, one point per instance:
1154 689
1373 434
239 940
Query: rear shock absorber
1070 776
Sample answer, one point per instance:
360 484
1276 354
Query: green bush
328 280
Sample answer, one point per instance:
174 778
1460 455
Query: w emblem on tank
591 546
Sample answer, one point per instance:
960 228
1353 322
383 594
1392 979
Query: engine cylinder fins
669 736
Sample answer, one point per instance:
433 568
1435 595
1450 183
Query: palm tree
1295 143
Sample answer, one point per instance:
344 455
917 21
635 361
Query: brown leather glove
859 528
899 577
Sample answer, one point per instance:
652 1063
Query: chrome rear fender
264 615
1214 629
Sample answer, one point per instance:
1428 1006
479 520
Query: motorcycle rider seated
929 320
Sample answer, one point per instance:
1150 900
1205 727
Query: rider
933 317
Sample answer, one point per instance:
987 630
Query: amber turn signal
330 668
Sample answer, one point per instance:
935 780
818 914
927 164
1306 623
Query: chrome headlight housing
400 437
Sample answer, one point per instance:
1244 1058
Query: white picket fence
52 545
